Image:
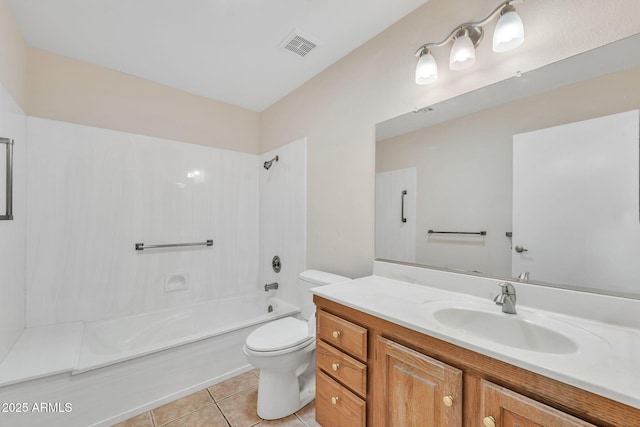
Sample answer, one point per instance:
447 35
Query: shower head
268 163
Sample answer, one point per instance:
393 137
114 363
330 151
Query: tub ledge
59 344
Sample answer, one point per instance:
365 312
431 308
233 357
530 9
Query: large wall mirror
450 186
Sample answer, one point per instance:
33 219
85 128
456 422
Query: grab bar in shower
142 246
480 233
9 184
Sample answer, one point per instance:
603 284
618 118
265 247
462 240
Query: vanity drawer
336 406
343 334
343 368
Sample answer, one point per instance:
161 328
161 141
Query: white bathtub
116 340
132 364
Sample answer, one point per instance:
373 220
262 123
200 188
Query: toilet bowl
284 352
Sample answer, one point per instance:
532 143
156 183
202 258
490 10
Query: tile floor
231 403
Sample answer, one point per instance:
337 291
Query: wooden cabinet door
504 408
412 389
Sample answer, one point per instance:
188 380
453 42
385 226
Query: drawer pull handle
448 401
334 400
335 366
336 334
489 421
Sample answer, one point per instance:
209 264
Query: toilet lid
278 335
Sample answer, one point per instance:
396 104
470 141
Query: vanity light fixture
508 34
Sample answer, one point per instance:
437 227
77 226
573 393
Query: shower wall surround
12 233
283 200
93 193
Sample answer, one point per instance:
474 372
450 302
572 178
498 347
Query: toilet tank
310 279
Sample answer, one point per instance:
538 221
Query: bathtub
132 364
116 340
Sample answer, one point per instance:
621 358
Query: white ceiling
227 50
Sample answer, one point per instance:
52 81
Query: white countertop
609 366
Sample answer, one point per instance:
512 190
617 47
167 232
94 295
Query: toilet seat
287 333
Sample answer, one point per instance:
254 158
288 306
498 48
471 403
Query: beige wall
337 110
13 56
73 91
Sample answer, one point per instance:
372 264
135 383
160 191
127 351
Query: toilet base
282 395
283 389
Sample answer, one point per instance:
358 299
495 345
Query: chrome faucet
507 298
524 276
270 286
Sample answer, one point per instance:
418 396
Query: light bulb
427 69
463 53
509 32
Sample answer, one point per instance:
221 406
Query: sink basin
525 330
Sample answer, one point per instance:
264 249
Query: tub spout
270 286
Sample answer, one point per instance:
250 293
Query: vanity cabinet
395 376
414 389
503 408
341 372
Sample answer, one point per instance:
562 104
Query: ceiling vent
298 43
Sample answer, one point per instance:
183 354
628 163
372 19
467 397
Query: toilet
284 350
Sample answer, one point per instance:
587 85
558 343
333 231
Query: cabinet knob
334 400
448 401
336 334
335 366
489 421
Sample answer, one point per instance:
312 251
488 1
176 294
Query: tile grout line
224 416
219 408
189 413
301 420
232 394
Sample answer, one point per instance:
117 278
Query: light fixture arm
474 28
